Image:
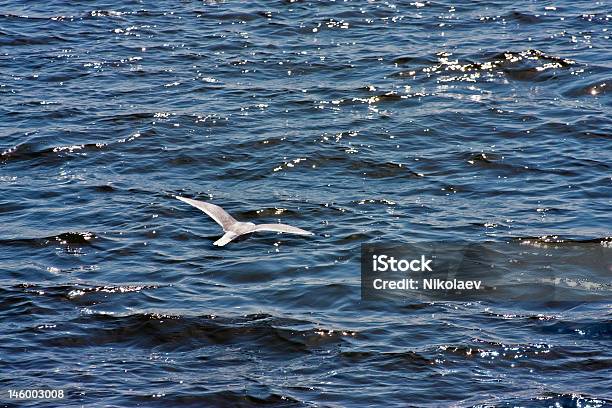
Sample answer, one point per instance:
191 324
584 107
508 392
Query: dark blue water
364 122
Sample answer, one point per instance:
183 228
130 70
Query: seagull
233 228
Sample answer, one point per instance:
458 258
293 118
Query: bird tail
226 238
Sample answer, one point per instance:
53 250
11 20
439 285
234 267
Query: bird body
234 228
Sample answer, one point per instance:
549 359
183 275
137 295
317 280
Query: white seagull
233 228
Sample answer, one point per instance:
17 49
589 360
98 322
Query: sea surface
365 122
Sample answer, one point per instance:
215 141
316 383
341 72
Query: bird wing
215 212
281 228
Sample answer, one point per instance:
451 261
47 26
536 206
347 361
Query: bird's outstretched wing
281 228
215 212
